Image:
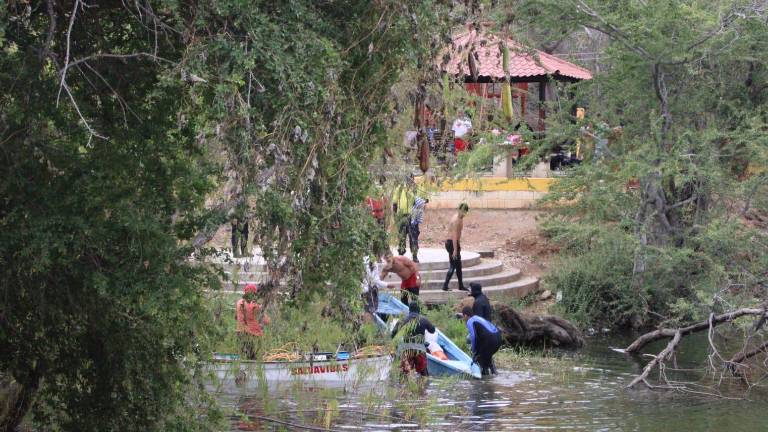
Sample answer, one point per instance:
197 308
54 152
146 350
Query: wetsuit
244 239
481 307
415 357
235 237
455 264
486 341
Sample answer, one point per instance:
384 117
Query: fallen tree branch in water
735 364
666 333
658 359
677 334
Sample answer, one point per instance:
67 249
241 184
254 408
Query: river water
585 391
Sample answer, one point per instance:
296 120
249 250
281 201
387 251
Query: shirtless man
408 272
453 246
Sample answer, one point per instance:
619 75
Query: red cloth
376 206
417 362
247 317
250 289
459 144
411 282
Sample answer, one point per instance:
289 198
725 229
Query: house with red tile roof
526 66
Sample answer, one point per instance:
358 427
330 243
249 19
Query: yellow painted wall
488 184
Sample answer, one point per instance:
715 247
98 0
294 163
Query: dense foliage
662 228
301 98
100 181
118 120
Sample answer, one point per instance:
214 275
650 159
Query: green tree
300 96
683 80
118 121
101 181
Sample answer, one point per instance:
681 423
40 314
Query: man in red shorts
408 271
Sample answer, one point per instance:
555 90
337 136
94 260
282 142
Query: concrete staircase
498 283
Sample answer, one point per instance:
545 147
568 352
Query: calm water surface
582 392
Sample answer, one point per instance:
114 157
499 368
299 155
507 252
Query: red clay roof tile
523 62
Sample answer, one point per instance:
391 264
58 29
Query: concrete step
506 292
437 259
485 267
499 278
243 266
429 259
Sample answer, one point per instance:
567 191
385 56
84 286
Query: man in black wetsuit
481 306
413 353
484 338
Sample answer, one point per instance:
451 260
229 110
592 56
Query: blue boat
458 363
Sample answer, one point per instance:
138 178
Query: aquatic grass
305 328
444 317
563 367
403 400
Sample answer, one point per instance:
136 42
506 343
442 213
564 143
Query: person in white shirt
372 283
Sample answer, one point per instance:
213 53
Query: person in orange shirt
248 325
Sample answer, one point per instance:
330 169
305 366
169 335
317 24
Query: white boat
322 369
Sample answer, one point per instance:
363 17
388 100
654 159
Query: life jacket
247 319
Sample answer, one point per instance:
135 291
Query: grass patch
304 329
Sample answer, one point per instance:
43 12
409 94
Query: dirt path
512 235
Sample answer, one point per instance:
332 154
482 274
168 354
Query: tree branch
660 358
63 70
665 333
738 358
62 84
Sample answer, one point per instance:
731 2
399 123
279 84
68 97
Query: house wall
490 193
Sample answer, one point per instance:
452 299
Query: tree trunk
538 330
21 404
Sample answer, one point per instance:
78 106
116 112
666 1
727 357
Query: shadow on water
574 392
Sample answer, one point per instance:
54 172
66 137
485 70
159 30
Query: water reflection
585 392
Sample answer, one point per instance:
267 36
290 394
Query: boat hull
247 375
459 362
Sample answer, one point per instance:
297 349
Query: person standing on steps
249 321
417 218
402 203
481 306
235 236
453 246
244 238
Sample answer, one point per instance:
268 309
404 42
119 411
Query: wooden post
542 100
